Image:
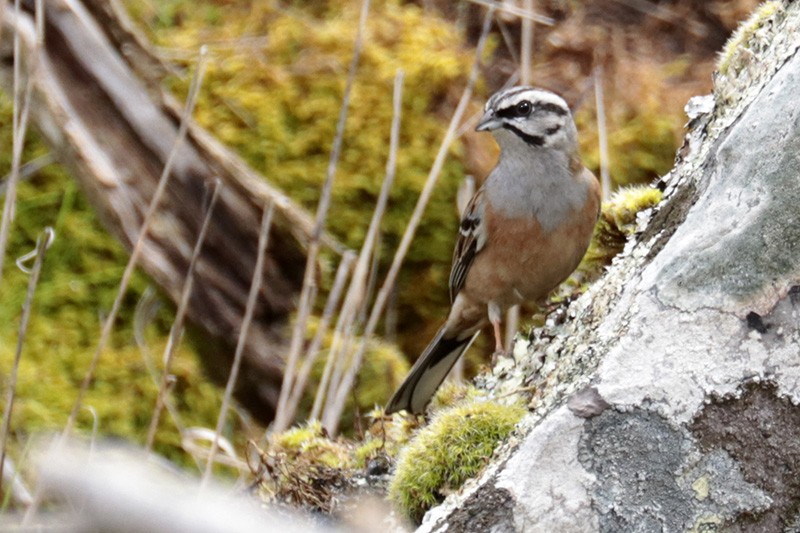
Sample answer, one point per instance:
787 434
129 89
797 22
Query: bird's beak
488 122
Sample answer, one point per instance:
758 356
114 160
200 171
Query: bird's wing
471 239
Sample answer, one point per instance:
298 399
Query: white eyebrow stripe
513 96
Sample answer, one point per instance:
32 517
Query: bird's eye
523 108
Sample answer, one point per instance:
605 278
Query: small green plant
455 447
744 33
617 222
310 443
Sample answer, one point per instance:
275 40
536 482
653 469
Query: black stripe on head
507 112
551 108
532 140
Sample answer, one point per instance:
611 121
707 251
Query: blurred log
98 102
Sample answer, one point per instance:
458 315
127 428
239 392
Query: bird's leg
494 318
498 337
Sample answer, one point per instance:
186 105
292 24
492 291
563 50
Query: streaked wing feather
471 238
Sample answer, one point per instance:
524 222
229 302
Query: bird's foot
497 355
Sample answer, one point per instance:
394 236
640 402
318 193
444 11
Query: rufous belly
523 263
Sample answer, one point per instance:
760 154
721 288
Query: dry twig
252 298
42 244
176 330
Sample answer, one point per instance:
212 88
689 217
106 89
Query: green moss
452 393
453 448
617 222
744 33
310 442
366 451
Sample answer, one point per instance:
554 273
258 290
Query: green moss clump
310 443
453 448
452 393
616 224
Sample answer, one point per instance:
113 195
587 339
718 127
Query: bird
524 231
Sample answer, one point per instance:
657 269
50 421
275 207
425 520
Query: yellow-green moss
456 445
452 393
366 451
310 442
617 222
744 33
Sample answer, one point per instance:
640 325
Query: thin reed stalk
356 294
508 7
312 354
333 414
330 363
526 44
176 330
19 124
252 298
602 134
43 242
309 278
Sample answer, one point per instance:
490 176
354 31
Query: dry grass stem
357 293
667 15
330 363
380 301
176 330
27 170
602 135
526 44
42 244
252 298
508 40
19 125
308 291
507 7
314 349
14 488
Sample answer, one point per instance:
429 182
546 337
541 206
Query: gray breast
540 186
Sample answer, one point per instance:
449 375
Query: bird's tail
428 373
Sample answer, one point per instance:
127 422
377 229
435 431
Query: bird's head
536 117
